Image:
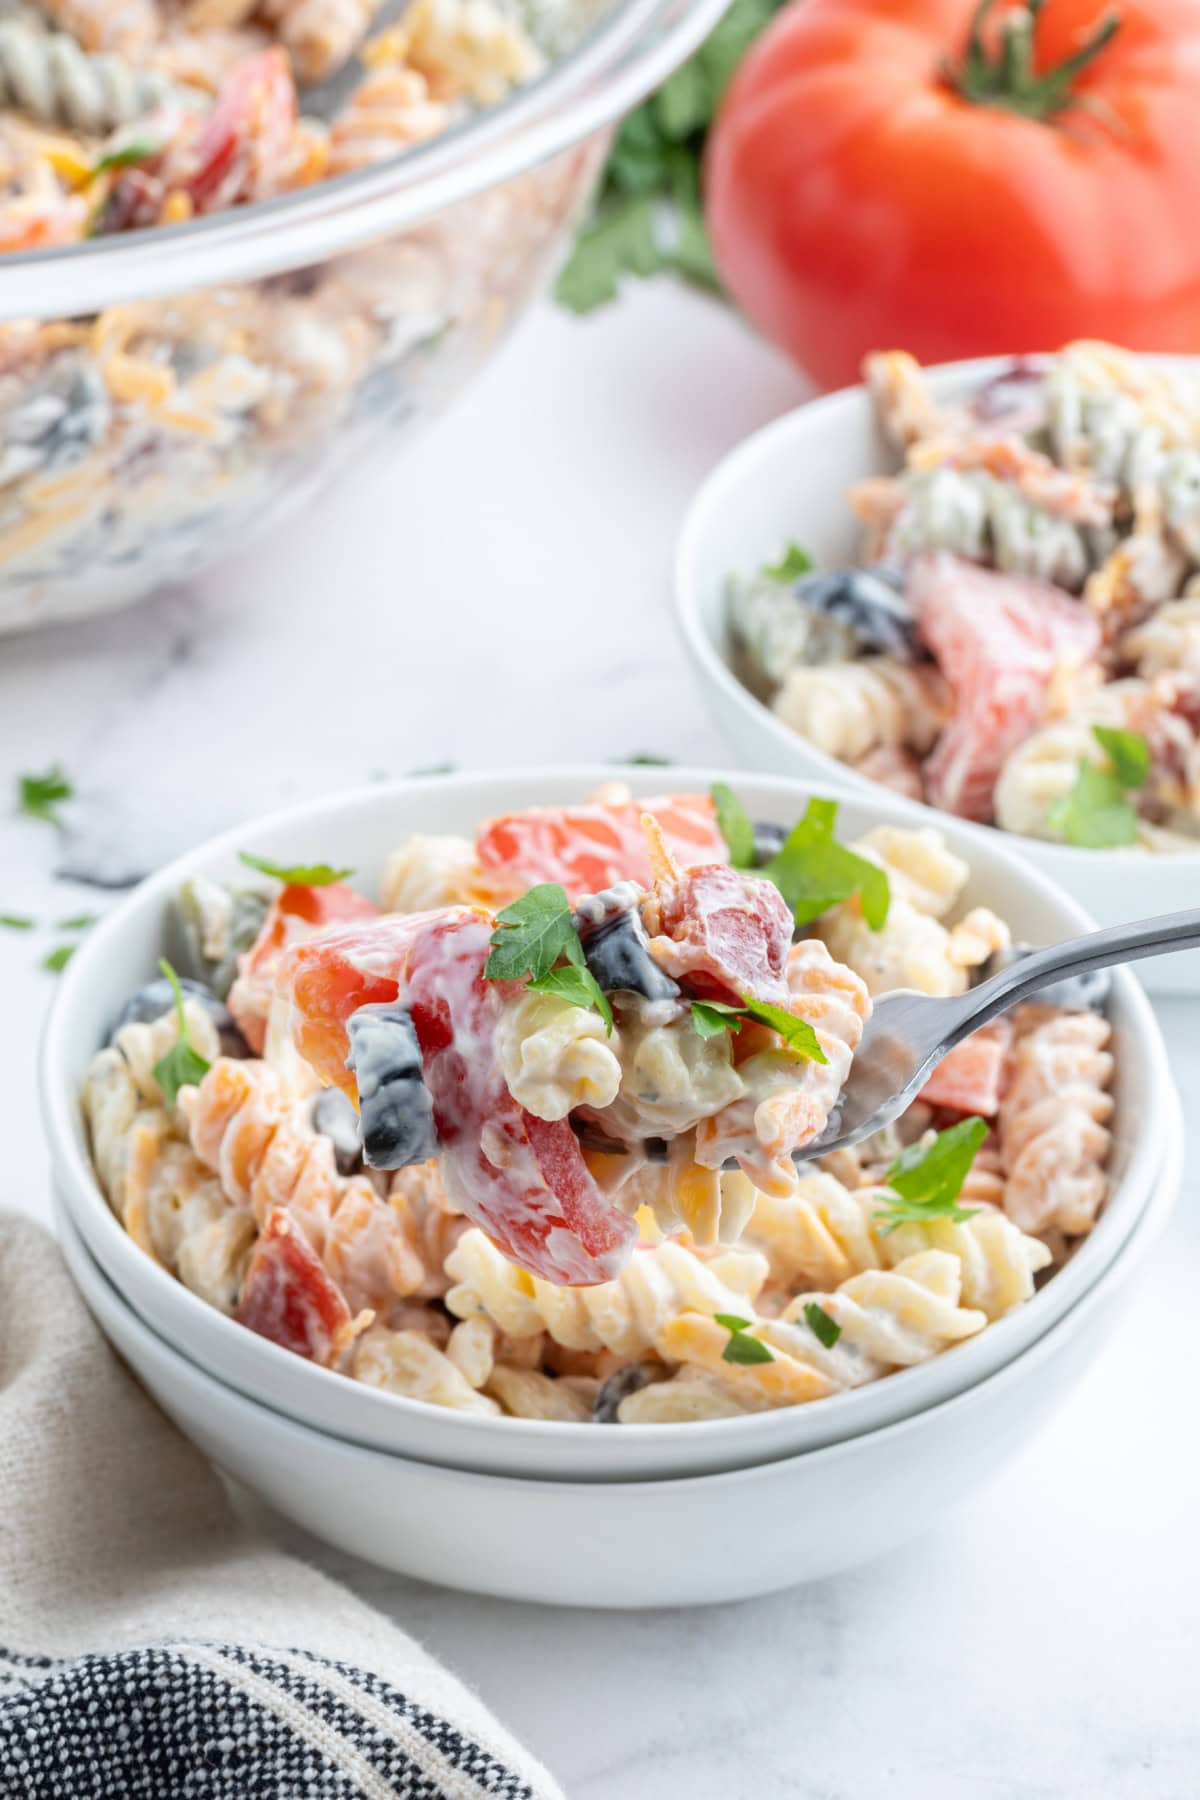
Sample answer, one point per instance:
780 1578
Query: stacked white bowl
586 1514
789 483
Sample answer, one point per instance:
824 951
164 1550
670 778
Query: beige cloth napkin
150 1646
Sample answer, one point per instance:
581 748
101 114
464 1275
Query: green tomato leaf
827 1331
814 872
793 563
296 874
1095 815
37 795
1128 752
926 1180
734 824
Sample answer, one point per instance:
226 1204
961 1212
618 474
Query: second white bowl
638 1543
358 830
789 481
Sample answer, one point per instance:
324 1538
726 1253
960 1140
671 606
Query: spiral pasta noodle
1054 1135
622 1315
52 80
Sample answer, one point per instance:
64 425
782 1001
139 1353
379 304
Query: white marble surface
501 597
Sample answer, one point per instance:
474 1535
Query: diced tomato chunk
287 1295
971 1078
593 846
727 935
296 913
998 639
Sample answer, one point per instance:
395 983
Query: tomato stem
1003 72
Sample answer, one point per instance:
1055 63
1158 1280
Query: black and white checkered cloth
150 1649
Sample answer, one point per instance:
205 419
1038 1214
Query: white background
501 596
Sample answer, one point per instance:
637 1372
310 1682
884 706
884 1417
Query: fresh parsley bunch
648 218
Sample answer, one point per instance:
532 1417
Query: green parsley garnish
296 874
137 151
648 219
644 760
58 959
446 768
1096 815
742 1348
1128 752
793 563
734 824
37 795
182 1066
16 921
531 936
77 922
711 1016
927 1179
827 1331
814 872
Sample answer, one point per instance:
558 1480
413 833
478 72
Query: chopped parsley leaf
734 824
814 872
182 1066
58 959
792 564
531 936
16 921
296 874
742 1348
827 1331
926 1180
38 795
711 1016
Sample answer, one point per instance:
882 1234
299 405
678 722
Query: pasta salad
1020 642
517 1137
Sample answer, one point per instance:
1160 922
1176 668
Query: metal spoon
908 1033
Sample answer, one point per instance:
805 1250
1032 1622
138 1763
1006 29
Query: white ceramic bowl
637 1543
358 830
789 481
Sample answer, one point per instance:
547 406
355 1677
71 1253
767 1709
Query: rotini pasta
622 1315
1054 1134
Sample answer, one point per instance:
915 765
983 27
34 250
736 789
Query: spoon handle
1115 944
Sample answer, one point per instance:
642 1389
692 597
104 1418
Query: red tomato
858 198
296 913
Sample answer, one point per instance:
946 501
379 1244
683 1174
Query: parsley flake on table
742 1348
1096 814
296 874
926 1180
17 921
77 922
734 824
711 1016
38 795
827 1331
182 1066
531 936
792 564
814 872
56 960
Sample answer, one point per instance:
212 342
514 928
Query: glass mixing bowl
165 394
